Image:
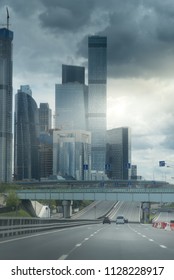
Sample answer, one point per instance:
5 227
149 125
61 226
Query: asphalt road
95 210
93 242
130 211
164 217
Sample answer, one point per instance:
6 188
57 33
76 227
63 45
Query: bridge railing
20 226
99 190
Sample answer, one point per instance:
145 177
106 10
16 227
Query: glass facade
73 74
26 136
118 153
6 97
45 115
96 117
45 154
72 154
70 106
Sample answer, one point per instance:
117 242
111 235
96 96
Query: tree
12 200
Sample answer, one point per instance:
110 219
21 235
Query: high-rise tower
71 99
73 74
97 80
6 38
26 135
45 115
118 154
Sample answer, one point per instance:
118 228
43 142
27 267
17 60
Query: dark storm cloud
66 15
22 9
140 32
140 38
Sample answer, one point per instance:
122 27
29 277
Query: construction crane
8 19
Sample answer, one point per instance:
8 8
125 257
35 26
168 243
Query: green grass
13 214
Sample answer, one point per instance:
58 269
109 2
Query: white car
120 220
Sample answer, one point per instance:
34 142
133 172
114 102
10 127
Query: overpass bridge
165 194
113 190
67 191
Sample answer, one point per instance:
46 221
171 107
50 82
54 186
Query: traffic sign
162 163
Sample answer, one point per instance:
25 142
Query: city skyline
140 64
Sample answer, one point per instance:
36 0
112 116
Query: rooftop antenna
8 17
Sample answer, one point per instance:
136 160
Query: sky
140 85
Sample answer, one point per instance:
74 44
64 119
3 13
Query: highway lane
164 217
93 242
130 211
95 210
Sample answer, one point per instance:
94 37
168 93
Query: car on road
120 220
106 220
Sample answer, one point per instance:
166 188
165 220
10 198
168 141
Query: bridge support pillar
67 208
146 211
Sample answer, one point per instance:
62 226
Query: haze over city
140 86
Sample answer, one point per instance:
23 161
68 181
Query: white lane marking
162 246
40 234
78 245
151 240
63 257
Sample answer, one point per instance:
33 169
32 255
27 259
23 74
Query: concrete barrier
164 225
167 227
172 226
160 225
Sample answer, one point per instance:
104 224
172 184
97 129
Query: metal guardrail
113 194
99 190
20 226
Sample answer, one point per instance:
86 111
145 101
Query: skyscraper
6 37
118 155
71 99
72 154
73 74
44 117
26 128
97 80
46 154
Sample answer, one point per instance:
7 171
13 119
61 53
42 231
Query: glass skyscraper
70 106
71 99
46 154
72 154
26 135
118 154
97 81
6 37
73 74
45 115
